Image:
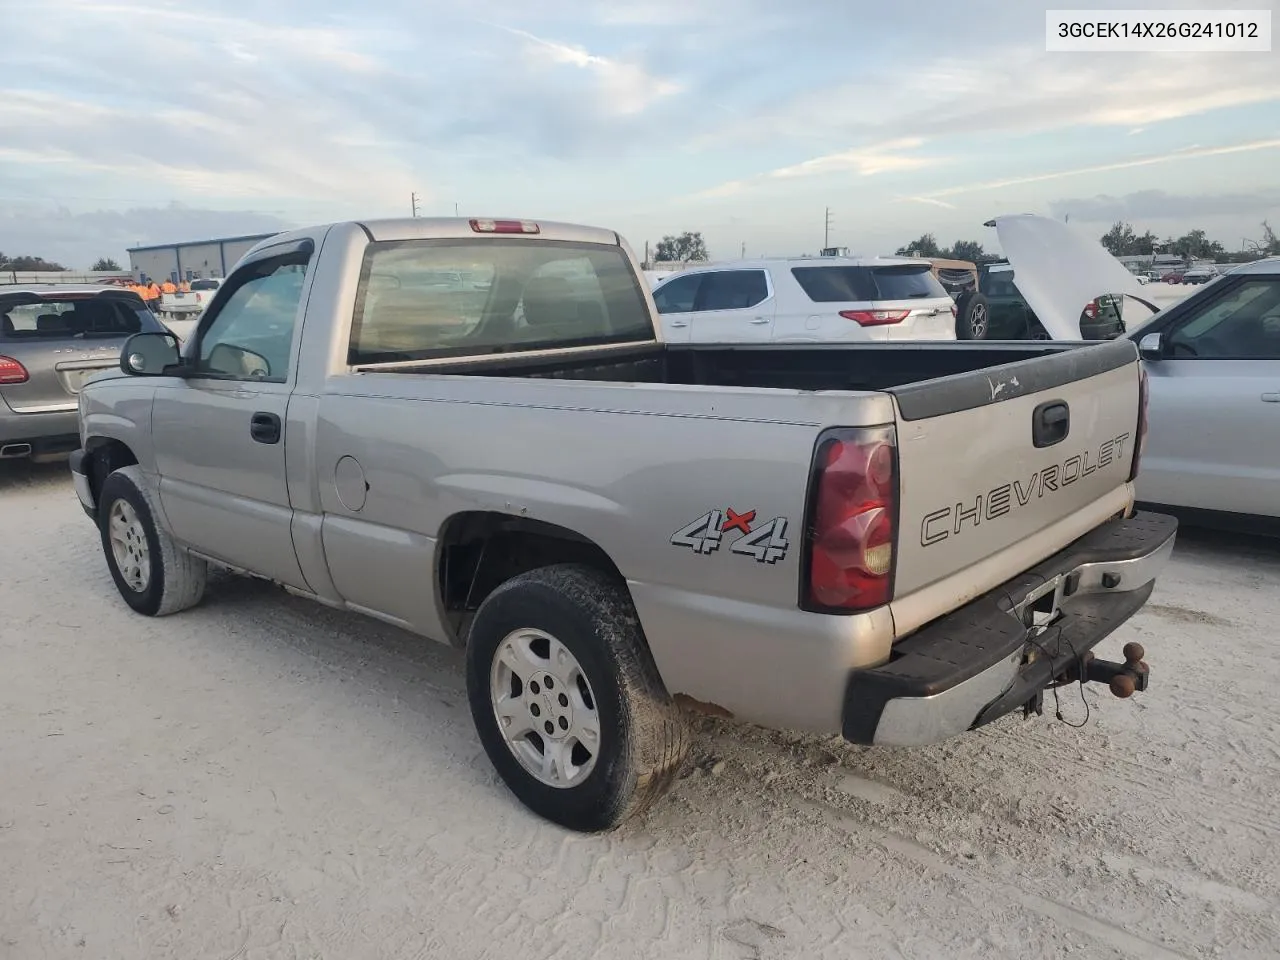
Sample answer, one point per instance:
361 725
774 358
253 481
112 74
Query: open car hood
1058 270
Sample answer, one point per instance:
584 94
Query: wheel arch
479 550
106 455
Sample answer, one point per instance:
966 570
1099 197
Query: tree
687 246
1270 245
1196 246
969 250
28 264
104 265
1119 239
923 246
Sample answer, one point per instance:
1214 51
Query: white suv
816 299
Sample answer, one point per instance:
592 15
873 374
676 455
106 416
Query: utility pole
413 199
826 229
744 250
455 208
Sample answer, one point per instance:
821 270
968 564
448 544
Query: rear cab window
90 317
435 299
854 284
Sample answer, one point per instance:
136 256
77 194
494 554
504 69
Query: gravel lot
263 778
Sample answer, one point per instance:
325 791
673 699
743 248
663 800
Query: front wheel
154 576
567 700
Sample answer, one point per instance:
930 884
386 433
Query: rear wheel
567 700
154 576
973 318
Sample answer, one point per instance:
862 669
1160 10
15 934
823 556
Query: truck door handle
1271 398
265 427
1050 423
759 319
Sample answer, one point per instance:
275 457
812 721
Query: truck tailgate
990 459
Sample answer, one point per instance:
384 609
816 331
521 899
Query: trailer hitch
1124 679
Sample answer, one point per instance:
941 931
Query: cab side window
1243 324
251 335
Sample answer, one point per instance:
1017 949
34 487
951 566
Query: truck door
220 431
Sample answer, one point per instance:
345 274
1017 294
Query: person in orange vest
184 287
153 296
168 286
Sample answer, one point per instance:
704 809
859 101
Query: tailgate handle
1050 423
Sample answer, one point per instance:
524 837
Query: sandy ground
263 778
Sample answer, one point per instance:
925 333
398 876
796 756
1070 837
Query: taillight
875 318
1091 309
1140 442
853 507
11 371
505 226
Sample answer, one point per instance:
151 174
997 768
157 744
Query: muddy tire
154 576
973 318
567 700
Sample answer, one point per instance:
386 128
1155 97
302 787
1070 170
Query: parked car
805 300
999 311
53 338
1213 361
1173 276
1213 365
856 538
1198 275
186 305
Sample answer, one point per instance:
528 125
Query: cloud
625 88
1011 88
1146 205
931 201
891 157
1185 154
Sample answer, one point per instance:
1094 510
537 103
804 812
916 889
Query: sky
153 121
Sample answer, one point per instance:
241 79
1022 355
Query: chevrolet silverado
894 542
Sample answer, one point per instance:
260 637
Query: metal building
191 260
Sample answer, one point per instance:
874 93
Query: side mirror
150 354
238 362
1151 348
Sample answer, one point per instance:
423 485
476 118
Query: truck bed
853 367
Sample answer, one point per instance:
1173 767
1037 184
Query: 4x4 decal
767 543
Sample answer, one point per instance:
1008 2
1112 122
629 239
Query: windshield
426 299
70 318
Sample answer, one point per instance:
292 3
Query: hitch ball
1122 685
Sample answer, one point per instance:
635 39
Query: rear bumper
31 427
983 661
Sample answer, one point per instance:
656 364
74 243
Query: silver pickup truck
471 429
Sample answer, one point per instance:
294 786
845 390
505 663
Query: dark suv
998 311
